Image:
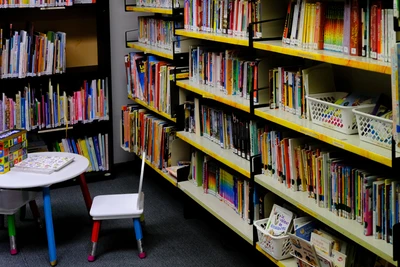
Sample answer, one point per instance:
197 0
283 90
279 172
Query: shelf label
308 132
336 143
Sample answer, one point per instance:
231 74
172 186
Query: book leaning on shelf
229 130
226 71
34 108
94 148
230 17
151 80
27 53
41 3
144 131
233 190
351 27
160 33
43 164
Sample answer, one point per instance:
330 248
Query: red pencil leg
85 191
35 212
95 238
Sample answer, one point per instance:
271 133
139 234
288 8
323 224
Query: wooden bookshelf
350 143
219 209
151 50
225 156
349 228
221 38
210 92
326 56
144 104
158 10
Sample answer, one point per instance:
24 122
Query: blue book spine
23 124
97 150
74 148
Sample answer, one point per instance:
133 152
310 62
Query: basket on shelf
336 117
279 247
373 129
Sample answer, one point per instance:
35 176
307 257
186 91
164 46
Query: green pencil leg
11 233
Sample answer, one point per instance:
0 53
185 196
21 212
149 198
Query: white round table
22 180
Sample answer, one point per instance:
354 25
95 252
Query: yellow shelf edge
206 207
144 104
327 139
327 222
147 49
221 38
212 96
290 262
214 155
167 11
314 55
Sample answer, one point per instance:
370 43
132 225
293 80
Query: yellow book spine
85 152
61 147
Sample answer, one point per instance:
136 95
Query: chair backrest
140 193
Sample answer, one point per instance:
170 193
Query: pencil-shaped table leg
11 234
85 191
139 237
49 226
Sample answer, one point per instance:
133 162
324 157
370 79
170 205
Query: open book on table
43 164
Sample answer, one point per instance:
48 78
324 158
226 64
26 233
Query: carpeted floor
169 239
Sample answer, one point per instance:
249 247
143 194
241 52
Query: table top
19 180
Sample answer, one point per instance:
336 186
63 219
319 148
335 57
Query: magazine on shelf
43 164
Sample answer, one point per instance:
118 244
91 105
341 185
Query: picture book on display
280 221
43 164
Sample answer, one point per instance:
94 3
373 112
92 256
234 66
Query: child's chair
120 206
10 203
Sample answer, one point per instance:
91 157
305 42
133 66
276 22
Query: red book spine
319 25
355 29
374 32
379 31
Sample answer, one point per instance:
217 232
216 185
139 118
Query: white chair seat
119 206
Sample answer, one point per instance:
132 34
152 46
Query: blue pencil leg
49 226
139 237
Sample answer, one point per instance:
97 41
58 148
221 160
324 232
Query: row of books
335 183
142 131
233 191
160 33
94 148
351 27
37 109
158 3
151 79
41 3
225 71
229 130
29 53
230 17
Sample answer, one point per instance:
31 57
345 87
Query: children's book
43 164
280 221
304 250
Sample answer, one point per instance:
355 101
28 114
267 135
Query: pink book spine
39 121
43 112
368 212
79 100
12 110
102 103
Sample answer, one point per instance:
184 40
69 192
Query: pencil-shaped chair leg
11 234
35 213
95 238
139 237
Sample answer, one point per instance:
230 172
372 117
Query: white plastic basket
373 129
278 247
336 117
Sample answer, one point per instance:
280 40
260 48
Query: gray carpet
169 239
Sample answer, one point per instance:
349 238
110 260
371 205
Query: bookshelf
144 104
166 11
87 58
272 48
